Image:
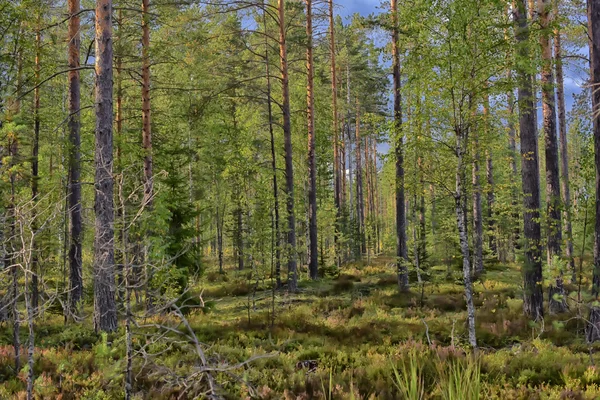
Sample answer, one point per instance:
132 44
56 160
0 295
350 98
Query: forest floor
346 336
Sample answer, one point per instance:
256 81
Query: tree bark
289 165
564 153
312 167
556 299
593 329
533 296
35 171
146 115
273 160
105 313
401 248
337 184
460 198
74 124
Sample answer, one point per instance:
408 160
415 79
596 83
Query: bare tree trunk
105 313
336 162
401 249
289 165
564 153
533 296
593 329
273 160
312 167
557 301
35 170
477 213
146 116
460 198
75 249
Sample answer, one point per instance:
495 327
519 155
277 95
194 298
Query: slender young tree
105 311
401 248
533 296
74 124
287 137
312 166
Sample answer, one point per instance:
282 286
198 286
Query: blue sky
364 7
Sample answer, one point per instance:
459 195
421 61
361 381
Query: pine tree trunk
312 167
533 296
289 166
105 313
335 138
564 153
74 124
401 249
557 302
593 329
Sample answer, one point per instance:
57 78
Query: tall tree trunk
273 159
564 153
146 116
360 207
312 167
593 329
533 296
105 313
401 249
35 171
74 124
557 302
460 198
289 165
477 213
336 161
120 251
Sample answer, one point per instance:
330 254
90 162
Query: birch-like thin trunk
460 198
